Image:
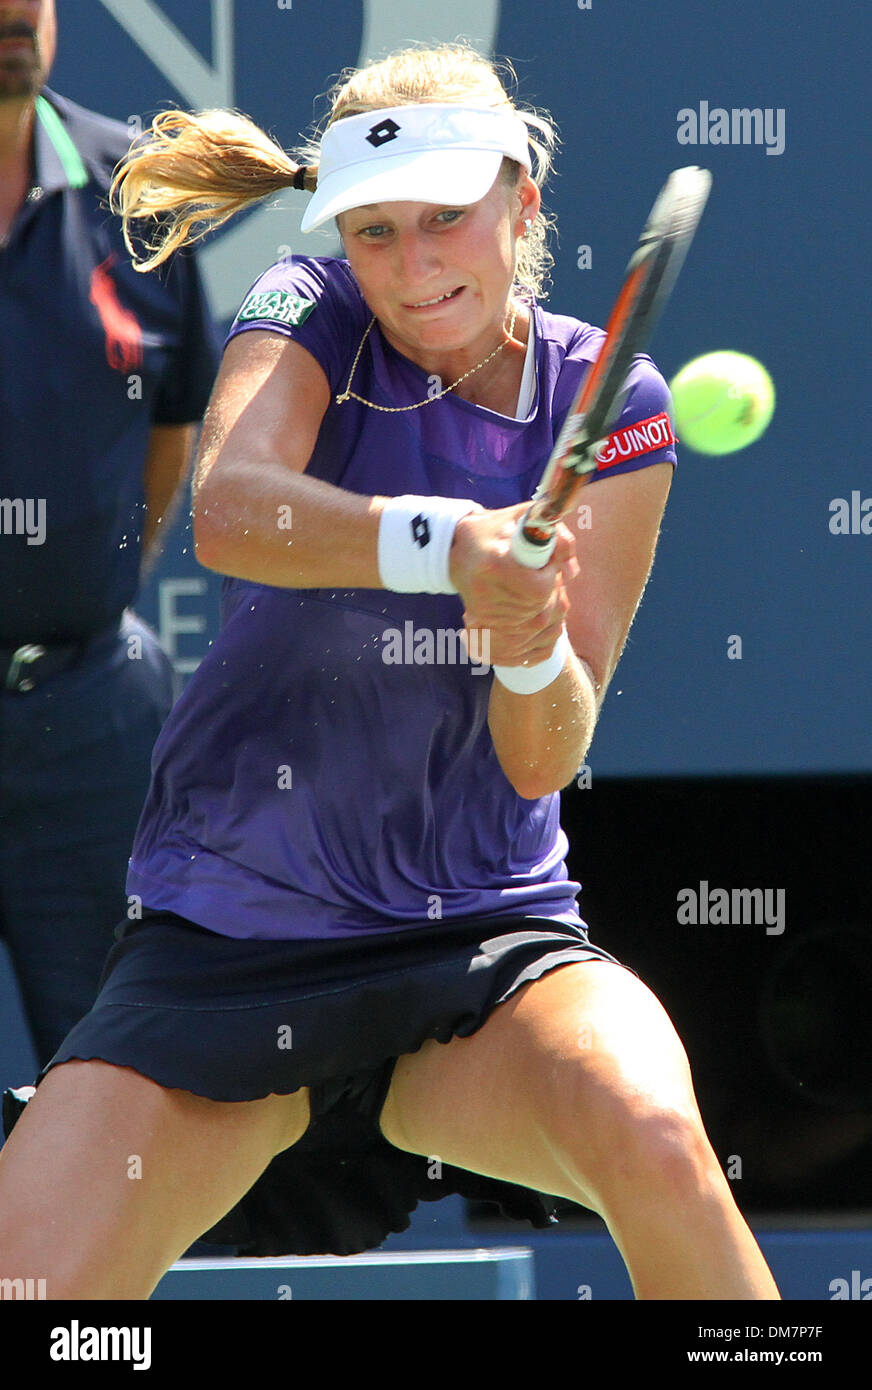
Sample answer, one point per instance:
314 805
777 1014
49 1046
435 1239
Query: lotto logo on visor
424 152
635 440
383 132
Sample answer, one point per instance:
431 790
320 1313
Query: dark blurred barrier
776 1017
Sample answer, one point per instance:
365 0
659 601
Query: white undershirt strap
527 393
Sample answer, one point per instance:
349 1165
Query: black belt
24 668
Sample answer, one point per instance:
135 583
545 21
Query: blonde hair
193 172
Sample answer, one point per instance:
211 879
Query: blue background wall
778 270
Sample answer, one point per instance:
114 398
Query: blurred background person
104 375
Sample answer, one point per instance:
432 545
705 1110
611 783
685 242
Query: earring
528 226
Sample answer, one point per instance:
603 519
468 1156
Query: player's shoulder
576 344
646 387
99 140
292 289
568 337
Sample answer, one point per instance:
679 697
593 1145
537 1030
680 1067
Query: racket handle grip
532 555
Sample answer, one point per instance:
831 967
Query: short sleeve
643 432
315 301
186 384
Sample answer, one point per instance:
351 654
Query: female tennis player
360 978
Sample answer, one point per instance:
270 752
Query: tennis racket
648 281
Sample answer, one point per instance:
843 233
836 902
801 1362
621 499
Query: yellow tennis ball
722 402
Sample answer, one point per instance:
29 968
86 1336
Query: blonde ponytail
193 173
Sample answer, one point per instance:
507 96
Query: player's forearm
260 522
542 739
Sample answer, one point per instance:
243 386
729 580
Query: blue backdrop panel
819 1265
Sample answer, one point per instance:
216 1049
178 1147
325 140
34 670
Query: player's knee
667 1149
639 1146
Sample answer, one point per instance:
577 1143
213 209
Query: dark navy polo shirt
92 356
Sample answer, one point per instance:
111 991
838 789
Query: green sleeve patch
279 305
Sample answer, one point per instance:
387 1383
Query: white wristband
526 680
414 541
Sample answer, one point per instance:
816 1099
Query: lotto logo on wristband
420 530
635 440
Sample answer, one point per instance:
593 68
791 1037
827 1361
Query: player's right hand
522 609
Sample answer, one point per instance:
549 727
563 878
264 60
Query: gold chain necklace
398 409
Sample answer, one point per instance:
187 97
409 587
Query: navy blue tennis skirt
235 1020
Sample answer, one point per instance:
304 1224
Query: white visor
414 154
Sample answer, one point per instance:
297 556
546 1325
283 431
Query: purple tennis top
328 769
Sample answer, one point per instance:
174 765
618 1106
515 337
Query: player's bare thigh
544 1092
108 1178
